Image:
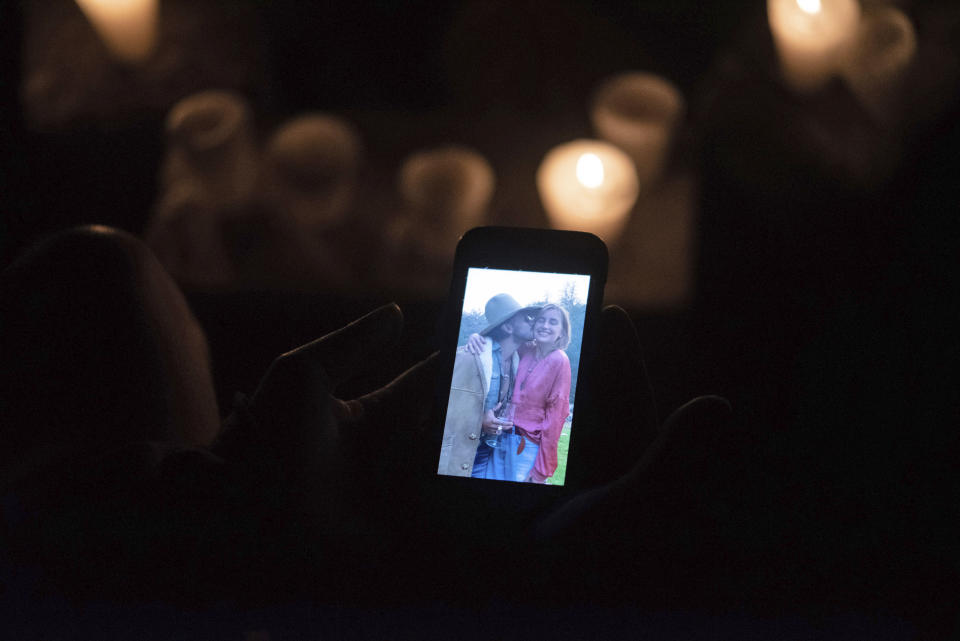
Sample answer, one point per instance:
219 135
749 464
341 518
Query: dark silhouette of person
117 477
120 483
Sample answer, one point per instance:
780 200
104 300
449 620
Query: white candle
812 38
885 47
311 165
210 142
638 112
127 27
447 189
588 185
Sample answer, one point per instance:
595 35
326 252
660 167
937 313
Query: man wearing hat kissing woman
480 385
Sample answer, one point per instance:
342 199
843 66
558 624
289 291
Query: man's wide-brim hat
501 308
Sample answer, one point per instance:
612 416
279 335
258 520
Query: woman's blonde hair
564 339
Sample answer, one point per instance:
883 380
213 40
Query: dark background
825 303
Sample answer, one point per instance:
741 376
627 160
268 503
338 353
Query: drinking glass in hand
504 413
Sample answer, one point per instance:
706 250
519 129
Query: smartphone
508 409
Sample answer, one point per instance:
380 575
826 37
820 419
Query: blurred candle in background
127 27
638 112
588 185
211 143
885 47
310 166
812 38
445 192
187 237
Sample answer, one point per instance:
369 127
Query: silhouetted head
97 348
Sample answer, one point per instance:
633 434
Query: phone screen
510 409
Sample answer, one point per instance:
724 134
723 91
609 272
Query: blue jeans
504 464
482 460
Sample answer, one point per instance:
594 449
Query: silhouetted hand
343 463
652 512
616 409
667 469
296 395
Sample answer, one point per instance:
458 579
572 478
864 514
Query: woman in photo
541 398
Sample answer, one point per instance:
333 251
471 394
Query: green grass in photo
563 445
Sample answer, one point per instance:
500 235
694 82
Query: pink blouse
542 395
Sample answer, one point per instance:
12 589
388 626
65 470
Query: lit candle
210 142
812 38
885 47
638 112
446 191
588 185
127 27
311 165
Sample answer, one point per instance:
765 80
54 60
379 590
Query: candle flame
590 170
809 6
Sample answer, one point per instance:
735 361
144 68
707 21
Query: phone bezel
527 249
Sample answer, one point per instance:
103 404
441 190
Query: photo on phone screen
511 402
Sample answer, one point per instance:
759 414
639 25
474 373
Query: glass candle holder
639 113
310 169
812 38
445 192
127 27
210 143
885 48
588 185
186 235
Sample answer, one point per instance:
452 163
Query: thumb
658 483
617 419
687 439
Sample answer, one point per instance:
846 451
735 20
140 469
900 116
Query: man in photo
480 384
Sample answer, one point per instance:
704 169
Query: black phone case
513 248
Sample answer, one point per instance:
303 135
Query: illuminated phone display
511 403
